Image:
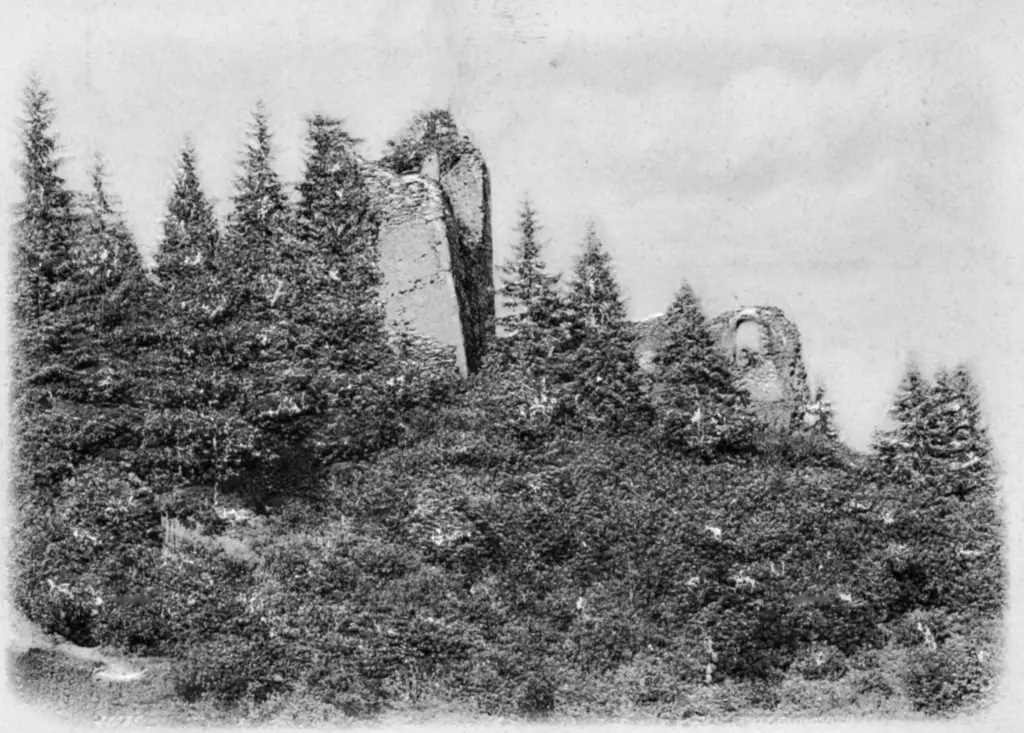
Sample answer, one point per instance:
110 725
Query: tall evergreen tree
971 475
260 204
190 229
902 447
822 415
594 294
334 212
106 250
701 403
531 298
938 477
46 222
957 439
598 351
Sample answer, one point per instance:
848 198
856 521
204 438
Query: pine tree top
45 191
594 292
330 166
46 223
259 200
527 289
190 227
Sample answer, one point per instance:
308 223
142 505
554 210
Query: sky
856 164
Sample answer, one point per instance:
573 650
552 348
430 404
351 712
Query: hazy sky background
855 163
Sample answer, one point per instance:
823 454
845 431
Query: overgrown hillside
229 463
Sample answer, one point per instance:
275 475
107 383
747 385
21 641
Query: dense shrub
947 678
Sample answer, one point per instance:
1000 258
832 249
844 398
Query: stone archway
749 343
763 347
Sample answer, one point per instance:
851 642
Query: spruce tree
45 219
254 264
594 294
334 211
971 475
935 464
106 252
44 289
957 439
597 349
192 298
702 406
902 447
260 204
823 415
190 231
531 297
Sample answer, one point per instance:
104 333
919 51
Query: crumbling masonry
763 348
436 253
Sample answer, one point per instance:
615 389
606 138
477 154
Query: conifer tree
106 250
187 299
902 447
971 477
44 288
190 230
45 223
957 439
935 466
334 209
594 294
531 298
598 349
823 414
702 405
260 205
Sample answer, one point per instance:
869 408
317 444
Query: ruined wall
650 337
468 188
773 370
415 250
436 253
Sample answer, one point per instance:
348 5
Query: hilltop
294 470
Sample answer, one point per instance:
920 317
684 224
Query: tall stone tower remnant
435 247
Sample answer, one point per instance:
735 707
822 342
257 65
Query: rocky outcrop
436 253
763 347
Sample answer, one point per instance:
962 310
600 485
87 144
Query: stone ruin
763 348
436 256
436 253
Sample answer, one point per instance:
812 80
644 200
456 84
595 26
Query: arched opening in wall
749 343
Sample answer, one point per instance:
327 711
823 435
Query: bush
538 695
231 668
820 662
76 555
948 678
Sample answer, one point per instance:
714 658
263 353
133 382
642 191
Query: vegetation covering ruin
555 535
